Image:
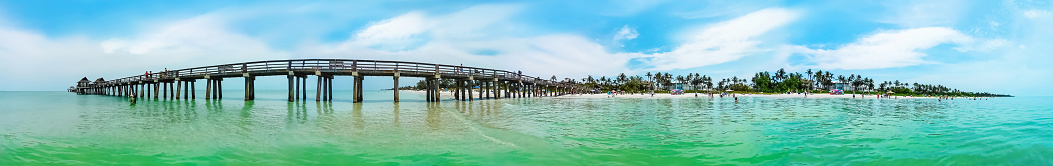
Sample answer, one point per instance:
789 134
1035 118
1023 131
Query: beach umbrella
890 92
729 90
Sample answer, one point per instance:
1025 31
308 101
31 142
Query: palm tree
809 72
651 87
657 76
708 81
841 78
622 79
698 79
780 75
687 80
680 78
870 84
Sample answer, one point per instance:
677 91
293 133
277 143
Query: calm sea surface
61 128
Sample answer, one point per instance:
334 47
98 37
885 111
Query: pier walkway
180 84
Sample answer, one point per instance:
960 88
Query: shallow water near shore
46 128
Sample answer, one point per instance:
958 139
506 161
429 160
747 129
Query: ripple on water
102 130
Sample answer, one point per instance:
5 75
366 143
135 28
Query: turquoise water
49 128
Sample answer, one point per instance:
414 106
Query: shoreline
449 94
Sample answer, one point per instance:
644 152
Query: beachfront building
843 86
677 85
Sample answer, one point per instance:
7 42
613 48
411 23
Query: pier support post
358 89
469 89
157 89
325 88
535 90
496 87
296 88
215 89
219 88
208 89
329 87
396 89
193 89
164 85
482 86
438 91
290 78
303 88
461 88
186 90
179 87
427 90
248 86
318 89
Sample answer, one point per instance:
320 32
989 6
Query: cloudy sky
995 46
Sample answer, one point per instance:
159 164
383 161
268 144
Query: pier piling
181 84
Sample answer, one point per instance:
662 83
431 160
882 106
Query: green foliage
766 82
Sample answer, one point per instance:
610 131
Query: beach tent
836 92
729 90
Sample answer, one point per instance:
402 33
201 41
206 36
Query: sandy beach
449 94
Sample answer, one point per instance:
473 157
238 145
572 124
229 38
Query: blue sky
994 46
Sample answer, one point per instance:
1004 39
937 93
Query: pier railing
280 67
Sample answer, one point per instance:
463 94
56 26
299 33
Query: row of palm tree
779 81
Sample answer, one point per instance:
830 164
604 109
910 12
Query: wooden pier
180 84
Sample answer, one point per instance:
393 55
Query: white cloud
886 49
480 36
186 43
1035 13
203 36
625 33
916 14
395 34
723 42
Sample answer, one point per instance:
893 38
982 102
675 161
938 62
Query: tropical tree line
779 81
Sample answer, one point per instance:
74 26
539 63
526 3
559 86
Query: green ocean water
61 128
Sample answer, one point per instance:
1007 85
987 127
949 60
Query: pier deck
176 84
